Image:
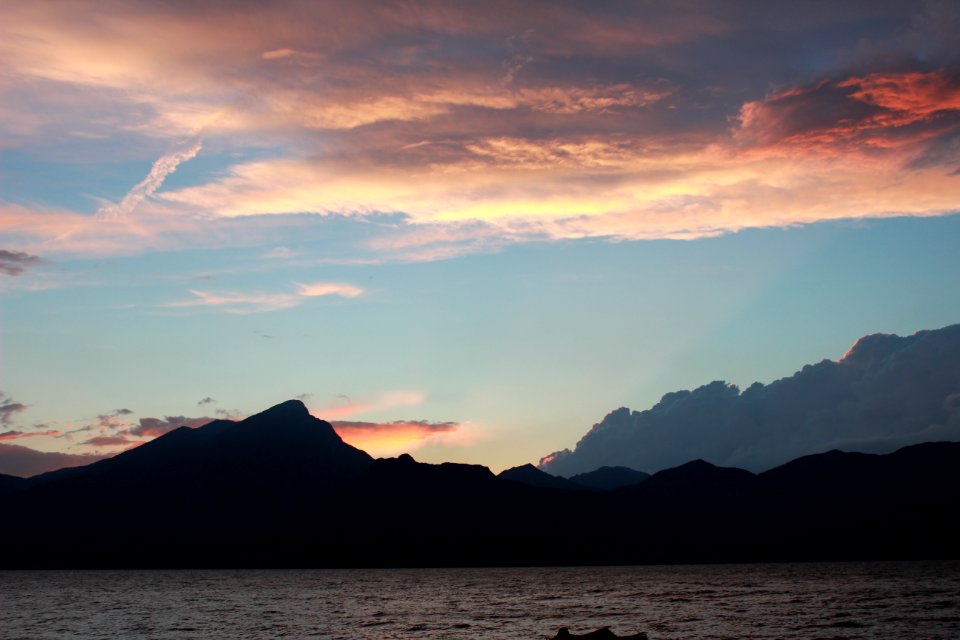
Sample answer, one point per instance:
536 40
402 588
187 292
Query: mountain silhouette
609 478
530 475
274 454
10 483
282 489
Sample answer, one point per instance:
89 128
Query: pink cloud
245 303
329 289
347 406
859 115
16 435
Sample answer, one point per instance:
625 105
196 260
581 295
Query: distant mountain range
886 392
281 489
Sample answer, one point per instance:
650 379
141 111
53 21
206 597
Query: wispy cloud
17 435
348 406
320 289
244 303
162 168
240 303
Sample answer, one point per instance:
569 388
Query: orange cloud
482 125
392 438
859 115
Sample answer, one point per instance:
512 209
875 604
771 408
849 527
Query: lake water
855 600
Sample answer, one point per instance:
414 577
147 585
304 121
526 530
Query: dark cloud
16 435
153 427
16 460
886 392
206 400
123 412
9 408
875 113
108 441
14 263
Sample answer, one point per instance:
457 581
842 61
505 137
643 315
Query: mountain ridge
308 499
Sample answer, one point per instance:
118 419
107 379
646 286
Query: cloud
9 408
882 112
348 406
885 393
279 253
391 438
109 441
206 400
16 435
17 460
162 168
329 289
239 303
245 303
630 121
153 427
14 263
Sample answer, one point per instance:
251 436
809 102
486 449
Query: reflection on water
861 600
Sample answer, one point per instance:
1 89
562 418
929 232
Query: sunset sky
467 230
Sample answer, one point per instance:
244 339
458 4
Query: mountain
276 453
281 489
609 478
530 475
696 479
886 392
10 483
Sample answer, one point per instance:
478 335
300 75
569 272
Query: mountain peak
289 410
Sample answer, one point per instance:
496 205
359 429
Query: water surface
856 600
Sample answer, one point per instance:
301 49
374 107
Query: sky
467 230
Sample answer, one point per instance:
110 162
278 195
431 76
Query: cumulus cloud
17 460
14 263
885 393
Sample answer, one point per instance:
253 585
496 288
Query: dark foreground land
281 489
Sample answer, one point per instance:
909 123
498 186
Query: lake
830 600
